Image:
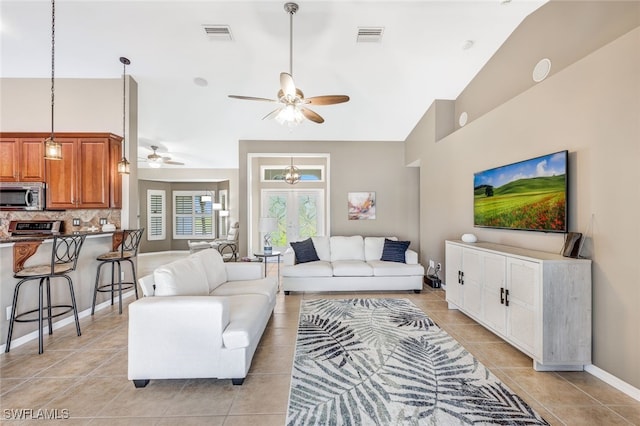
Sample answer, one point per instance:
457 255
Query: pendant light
123 164
52 149
291 174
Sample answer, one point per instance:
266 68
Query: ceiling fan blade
311 115
251 98
174 163
287 85
272 114
327 99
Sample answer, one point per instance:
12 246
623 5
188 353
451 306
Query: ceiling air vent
218 32
369 34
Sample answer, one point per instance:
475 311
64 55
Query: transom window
307 173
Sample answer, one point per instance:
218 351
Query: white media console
538 302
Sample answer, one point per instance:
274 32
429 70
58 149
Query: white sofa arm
289 257
411 257
240 271
163 330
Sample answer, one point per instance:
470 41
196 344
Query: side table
265 257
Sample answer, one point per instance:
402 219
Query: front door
300 214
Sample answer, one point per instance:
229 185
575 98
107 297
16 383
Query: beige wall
591 108
353 166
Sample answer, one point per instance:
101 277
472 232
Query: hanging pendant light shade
291 174
123 164
52 149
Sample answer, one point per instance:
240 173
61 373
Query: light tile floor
86 377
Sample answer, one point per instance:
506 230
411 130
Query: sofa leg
417 291
140 383
237 382
286 292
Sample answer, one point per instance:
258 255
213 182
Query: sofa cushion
311 269
347 248
305 251
373 247
245 320
184 277
323 248
214 267
265 286
351 268
393 251
383 268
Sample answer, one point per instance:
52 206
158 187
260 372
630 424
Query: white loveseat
351 263
200 318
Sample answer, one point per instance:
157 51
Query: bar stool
64 258
127 250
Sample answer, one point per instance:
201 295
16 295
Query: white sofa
351 264
200 318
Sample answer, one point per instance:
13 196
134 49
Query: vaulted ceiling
428 50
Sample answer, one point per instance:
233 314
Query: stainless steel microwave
22 196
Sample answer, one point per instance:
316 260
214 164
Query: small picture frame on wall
362 205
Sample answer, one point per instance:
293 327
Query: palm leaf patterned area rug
385 362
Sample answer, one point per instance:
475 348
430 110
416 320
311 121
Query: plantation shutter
156 215
193 215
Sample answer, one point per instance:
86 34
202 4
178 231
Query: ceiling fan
292 109
156 160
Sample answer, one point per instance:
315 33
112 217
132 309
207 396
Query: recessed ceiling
391 83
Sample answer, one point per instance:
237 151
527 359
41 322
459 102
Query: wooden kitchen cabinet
86 177
21 158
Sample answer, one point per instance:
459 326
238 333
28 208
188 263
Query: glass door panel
300 214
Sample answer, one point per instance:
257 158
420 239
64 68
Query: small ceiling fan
156 160
292 109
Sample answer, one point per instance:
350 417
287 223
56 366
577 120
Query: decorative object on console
267 226
291 174
469 238
52 149
123 164
572 244
362 205
292 111
529 195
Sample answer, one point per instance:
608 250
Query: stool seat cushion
36 270
113 255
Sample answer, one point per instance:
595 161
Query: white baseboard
61 323
612 380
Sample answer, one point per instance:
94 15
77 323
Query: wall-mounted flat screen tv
529 195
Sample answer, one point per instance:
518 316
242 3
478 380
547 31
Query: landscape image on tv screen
528 195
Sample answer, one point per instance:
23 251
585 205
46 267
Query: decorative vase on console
267 226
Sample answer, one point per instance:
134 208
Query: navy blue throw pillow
393 251
305 251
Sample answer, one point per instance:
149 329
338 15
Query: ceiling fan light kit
292 110
156 160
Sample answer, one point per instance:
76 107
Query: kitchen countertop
27 238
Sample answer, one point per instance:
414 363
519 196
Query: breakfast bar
20 251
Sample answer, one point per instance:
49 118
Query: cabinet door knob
502 295
506 297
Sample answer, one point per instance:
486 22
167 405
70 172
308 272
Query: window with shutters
156 214
193 215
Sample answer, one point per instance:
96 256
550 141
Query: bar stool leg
135 278
73 305
119 287
95 289
49 311
13 315
40 320
113 266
